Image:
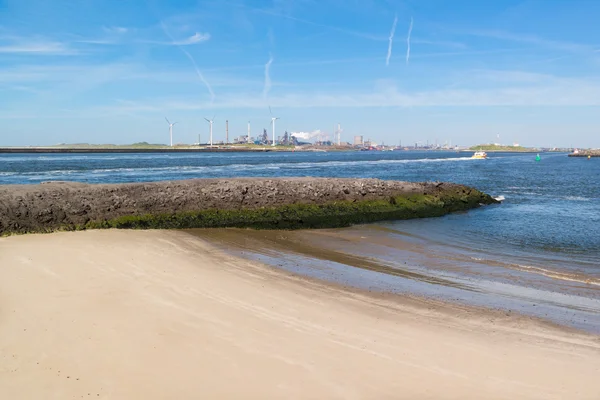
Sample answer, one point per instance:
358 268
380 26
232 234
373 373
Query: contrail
391 40
267 86
408 40
188 55
199 73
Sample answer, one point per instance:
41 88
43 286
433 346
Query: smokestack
227 132
248 132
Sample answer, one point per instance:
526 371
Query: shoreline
364 258
235 149
144 314
112 150
510 151
420 304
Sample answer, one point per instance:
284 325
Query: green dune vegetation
140 145
146 145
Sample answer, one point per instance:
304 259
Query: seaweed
302 216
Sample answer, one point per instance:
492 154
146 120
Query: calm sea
537 253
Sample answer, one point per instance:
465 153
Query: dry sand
164 315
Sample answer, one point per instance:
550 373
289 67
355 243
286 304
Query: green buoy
538 158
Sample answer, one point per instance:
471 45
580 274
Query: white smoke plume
408 40
318 134
267 86
391 40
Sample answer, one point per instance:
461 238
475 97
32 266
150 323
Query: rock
34 208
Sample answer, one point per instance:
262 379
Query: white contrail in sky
391 40
408 40
267 86
200 75
188 55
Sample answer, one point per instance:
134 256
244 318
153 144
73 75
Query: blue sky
103 71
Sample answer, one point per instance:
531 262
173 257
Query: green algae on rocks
295 203
296 216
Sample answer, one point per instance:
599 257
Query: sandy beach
166 315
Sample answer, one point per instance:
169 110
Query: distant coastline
590 153
125 149
507 151
250 148
495 148
142 148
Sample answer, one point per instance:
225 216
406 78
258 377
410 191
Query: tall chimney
227 132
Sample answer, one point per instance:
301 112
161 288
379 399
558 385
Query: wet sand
156 314
378 259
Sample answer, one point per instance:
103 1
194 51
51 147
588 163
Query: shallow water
540 246
366 257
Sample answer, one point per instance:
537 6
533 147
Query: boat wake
210 168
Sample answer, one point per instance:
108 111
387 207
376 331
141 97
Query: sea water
537 253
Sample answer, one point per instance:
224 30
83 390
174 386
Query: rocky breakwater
586 153
285 203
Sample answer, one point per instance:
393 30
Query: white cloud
495 76
64 73
329 27
195 38
555 92
25 74
113 35
34 46
19 88
534 40
410 28
98 41
440 43
115 29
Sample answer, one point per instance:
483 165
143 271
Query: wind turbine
273 119
170 130
210 121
